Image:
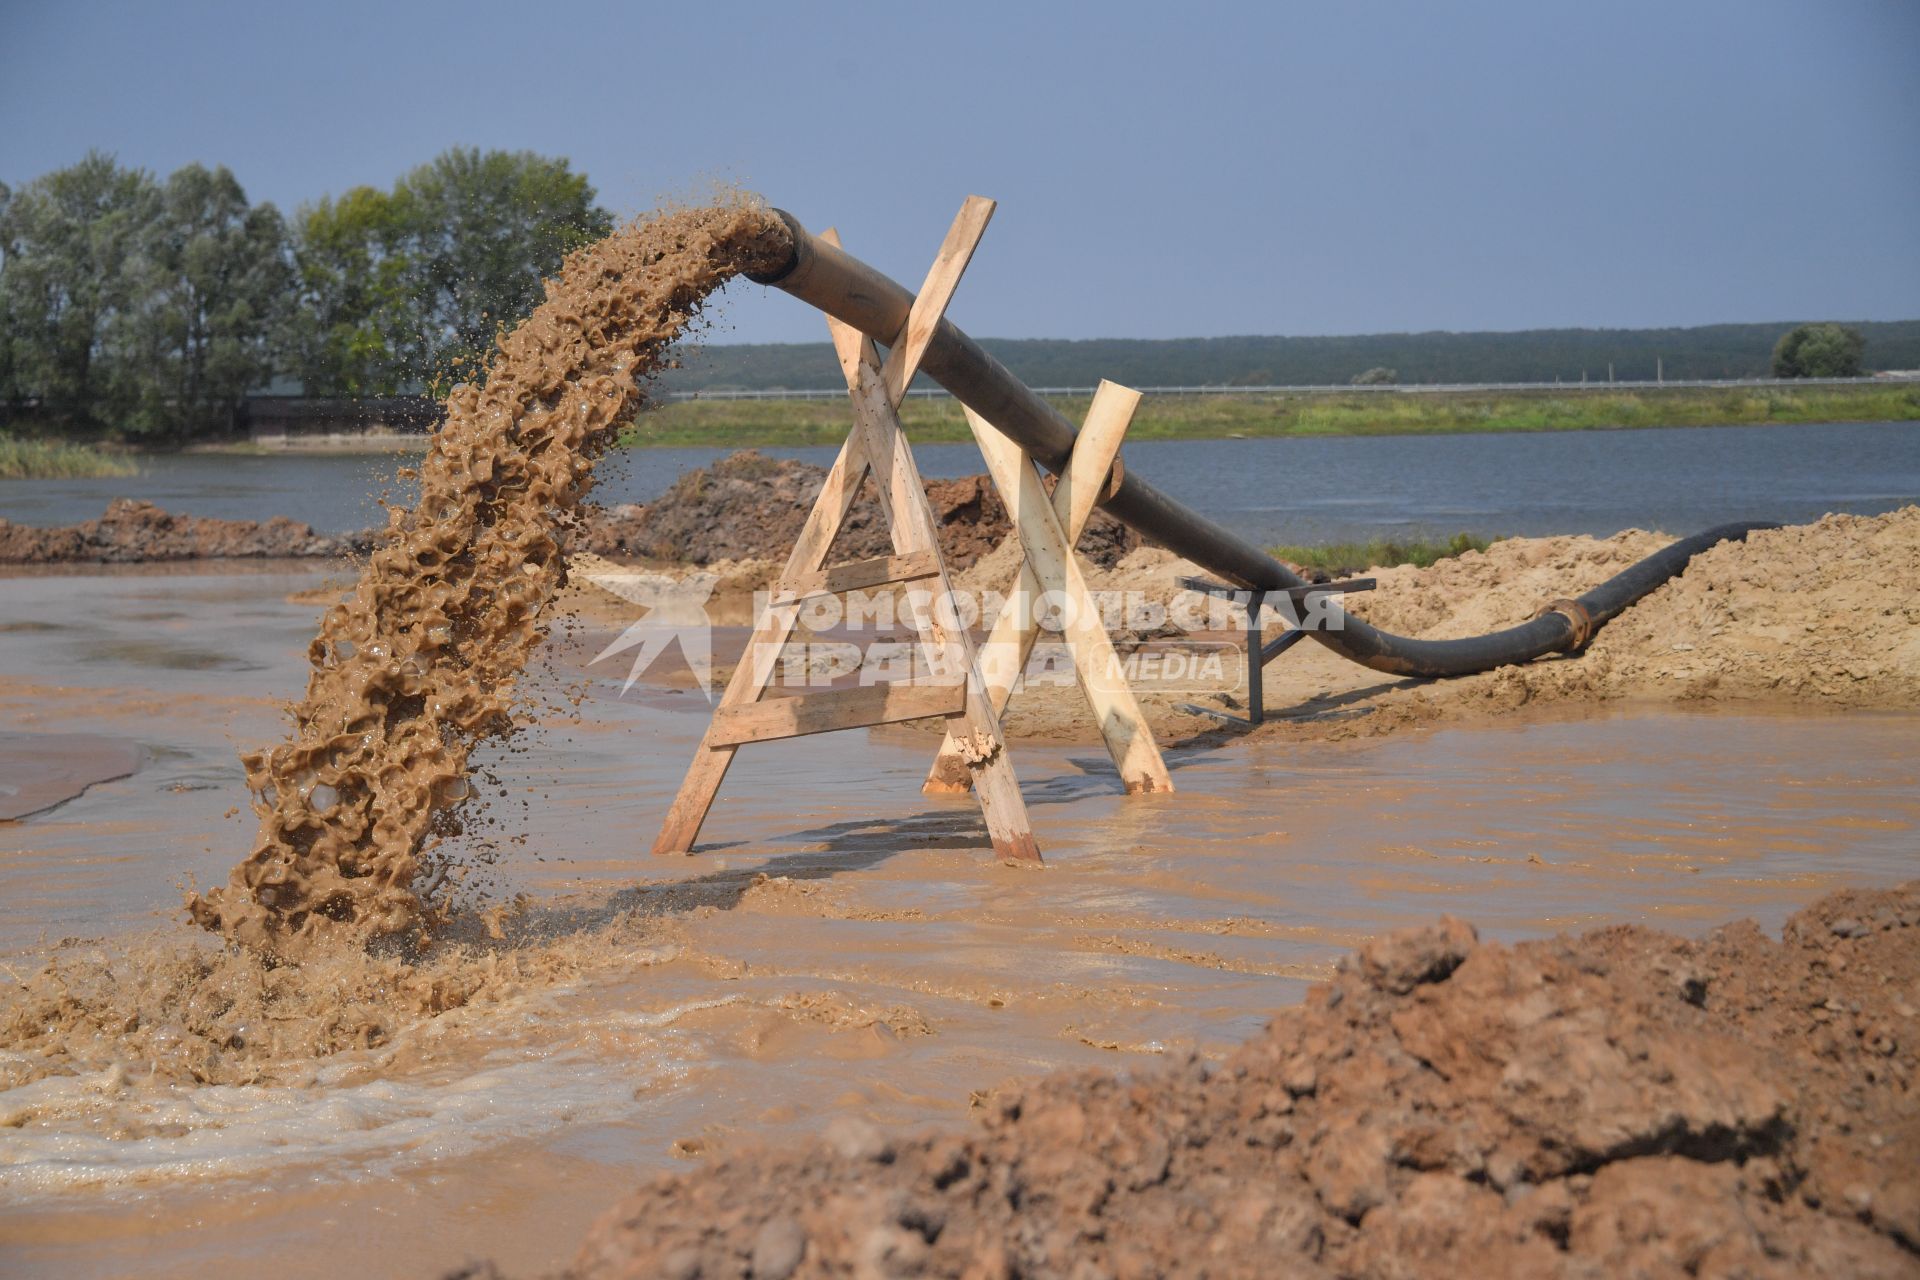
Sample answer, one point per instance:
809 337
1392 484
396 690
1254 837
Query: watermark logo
676 611
1187 642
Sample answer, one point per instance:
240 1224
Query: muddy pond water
883 967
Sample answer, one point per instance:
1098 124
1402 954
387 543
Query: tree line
150 307
1533 355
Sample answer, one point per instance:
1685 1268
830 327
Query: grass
57 460
791 423
1343 558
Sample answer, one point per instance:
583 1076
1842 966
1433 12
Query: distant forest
1533 355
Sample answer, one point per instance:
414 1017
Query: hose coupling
1577 617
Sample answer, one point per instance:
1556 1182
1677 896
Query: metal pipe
841 285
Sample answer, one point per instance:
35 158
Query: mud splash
420 663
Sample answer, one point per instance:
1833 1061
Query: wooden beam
755 671
858 576
949 650
1051 561
797 716
923 318
877 446
1010 644
1095 449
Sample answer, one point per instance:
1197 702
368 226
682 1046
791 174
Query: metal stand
1260 652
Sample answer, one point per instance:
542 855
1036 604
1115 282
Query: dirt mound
1481 591
133 531
1625 1102
748 506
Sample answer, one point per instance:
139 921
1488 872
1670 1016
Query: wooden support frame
795 717
1048 530
858 576
958 692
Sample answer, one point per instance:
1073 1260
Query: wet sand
885 968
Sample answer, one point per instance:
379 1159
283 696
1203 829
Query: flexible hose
839 284
1563 625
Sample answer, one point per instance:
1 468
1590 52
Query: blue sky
1163 170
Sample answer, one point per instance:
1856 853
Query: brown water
654 1008
420 662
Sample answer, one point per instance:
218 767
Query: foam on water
103 1130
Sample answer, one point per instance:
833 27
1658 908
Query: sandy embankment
1622 1103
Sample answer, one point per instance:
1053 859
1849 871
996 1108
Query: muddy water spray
419 664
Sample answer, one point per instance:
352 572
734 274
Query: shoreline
636 439
1304 414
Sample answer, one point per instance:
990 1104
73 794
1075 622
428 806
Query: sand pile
750 507
1825 614
1827 611
133 531
420 663
1623 1103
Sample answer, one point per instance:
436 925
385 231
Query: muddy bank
132 531
1625 1102
748 506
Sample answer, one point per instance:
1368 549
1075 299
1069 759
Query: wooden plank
755 671
1094 449
903 498
794 717
857 576
923 318
1050 560
1010 643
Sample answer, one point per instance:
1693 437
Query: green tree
1378 376
70 242
1819 351
483 230
409 288
11 392
358 331
214 282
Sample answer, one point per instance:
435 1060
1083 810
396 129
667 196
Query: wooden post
1045 529
750 679
1051 567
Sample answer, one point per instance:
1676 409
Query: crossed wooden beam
969 689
